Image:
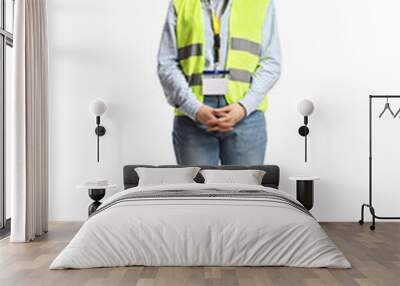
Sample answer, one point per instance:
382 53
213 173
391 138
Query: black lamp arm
304 131
99 131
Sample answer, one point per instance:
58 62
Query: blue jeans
245 145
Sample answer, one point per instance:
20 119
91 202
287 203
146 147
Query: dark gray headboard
271 177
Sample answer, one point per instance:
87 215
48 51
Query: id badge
215 85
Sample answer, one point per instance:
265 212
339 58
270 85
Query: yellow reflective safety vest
245 36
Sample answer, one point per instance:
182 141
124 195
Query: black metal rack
370 204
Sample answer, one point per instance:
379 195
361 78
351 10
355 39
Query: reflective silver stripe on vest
190 51
246 46
195 79
240 75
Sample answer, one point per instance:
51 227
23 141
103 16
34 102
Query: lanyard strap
217 36
216 23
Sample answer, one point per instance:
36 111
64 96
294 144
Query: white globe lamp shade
97 107
305 107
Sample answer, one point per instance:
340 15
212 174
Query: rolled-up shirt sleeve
173 81
269 70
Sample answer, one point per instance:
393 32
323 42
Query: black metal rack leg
372 210
361 221
374 216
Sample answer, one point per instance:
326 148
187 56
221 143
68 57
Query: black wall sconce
305 108
97 107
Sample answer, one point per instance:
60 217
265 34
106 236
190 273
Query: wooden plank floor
375 257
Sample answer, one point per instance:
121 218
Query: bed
201 224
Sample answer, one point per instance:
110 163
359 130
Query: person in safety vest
217 61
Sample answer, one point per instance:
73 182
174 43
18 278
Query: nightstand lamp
97 107
305 108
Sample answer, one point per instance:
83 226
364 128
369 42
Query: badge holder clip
215 83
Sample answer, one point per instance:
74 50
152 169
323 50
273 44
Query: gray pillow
247 177
166 176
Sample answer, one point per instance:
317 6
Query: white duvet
200 232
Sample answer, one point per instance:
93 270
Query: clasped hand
221 119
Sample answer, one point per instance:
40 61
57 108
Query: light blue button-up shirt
173 81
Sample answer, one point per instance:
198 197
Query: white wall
335 53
